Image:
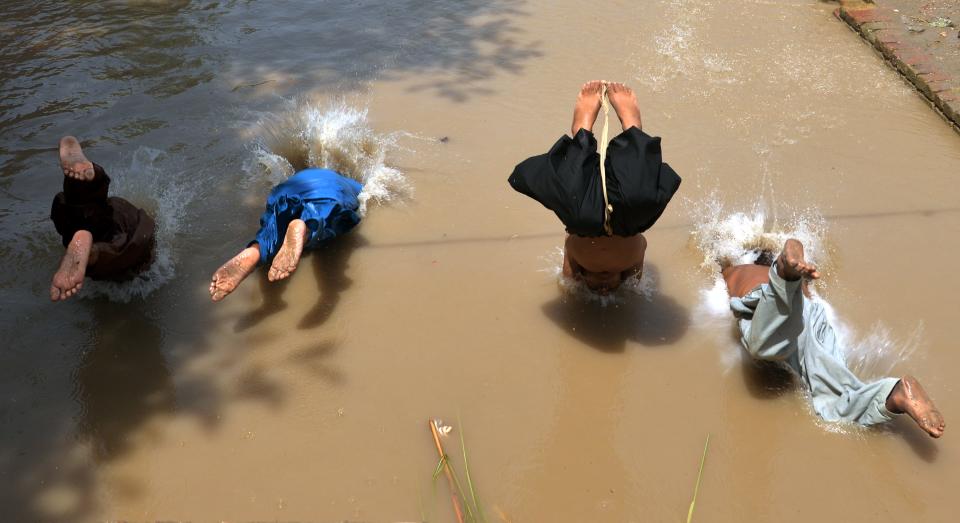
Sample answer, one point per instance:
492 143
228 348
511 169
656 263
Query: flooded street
308 399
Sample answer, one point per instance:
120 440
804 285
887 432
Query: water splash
877 353
148 183
643 286
682 55
335 136
726 237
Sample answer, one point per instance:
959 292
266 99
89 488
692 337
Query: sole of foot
624 102
910 398
72 161
288 257
587 108
791 264
68 280
229 276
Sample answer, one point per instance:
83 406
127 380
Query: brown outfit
122 233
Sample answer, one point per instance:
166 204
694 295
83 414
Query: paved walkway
920 39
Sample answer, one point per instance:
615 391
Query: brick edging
876 25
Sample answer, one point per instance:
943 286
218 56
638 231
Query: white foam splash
713 316
165 198
683 55
878 352
643 286
738 237
336 136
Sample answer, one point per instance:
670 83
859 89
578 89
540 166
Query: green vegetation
696 489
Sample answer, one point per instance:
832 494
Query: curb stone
875 24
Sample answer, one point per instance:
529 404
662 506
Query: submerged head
604 282
604 263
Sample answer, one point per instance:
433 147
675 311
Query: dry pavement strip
920 39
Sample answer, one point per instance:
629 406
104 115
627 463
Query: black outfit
566 180
123 232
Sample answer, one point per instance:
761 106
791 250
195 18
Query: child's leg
288 257
777 321
230 274
839 395
68 279
909 397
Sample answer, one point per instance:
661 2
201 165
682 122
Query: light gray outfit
777 323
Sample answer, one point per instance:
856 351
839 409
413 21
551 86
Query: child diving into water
308 209
779 322
604 218
107 238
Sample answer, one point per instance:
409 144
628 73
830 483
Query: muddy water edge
308 400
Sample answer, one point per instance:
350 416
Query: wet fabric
778 323
122 233
322 198
567 181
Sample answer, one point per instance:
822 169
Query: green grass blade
466 467
423 512
456 480
436 473
696 489
458 492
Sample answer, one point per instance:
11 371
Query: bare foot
587 107
624 102
72 161
287 258
909 397
791 266
69 277
229 276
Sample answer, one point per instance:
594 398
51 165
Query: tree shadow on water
454 46
652 322
273 303
312 359
123 380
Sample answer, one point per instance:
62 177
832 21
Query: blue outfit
322 198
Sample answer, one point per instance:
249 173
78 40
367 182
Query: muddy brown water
308 400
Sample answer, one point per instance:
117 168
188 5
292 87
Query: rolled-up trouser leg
836 392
